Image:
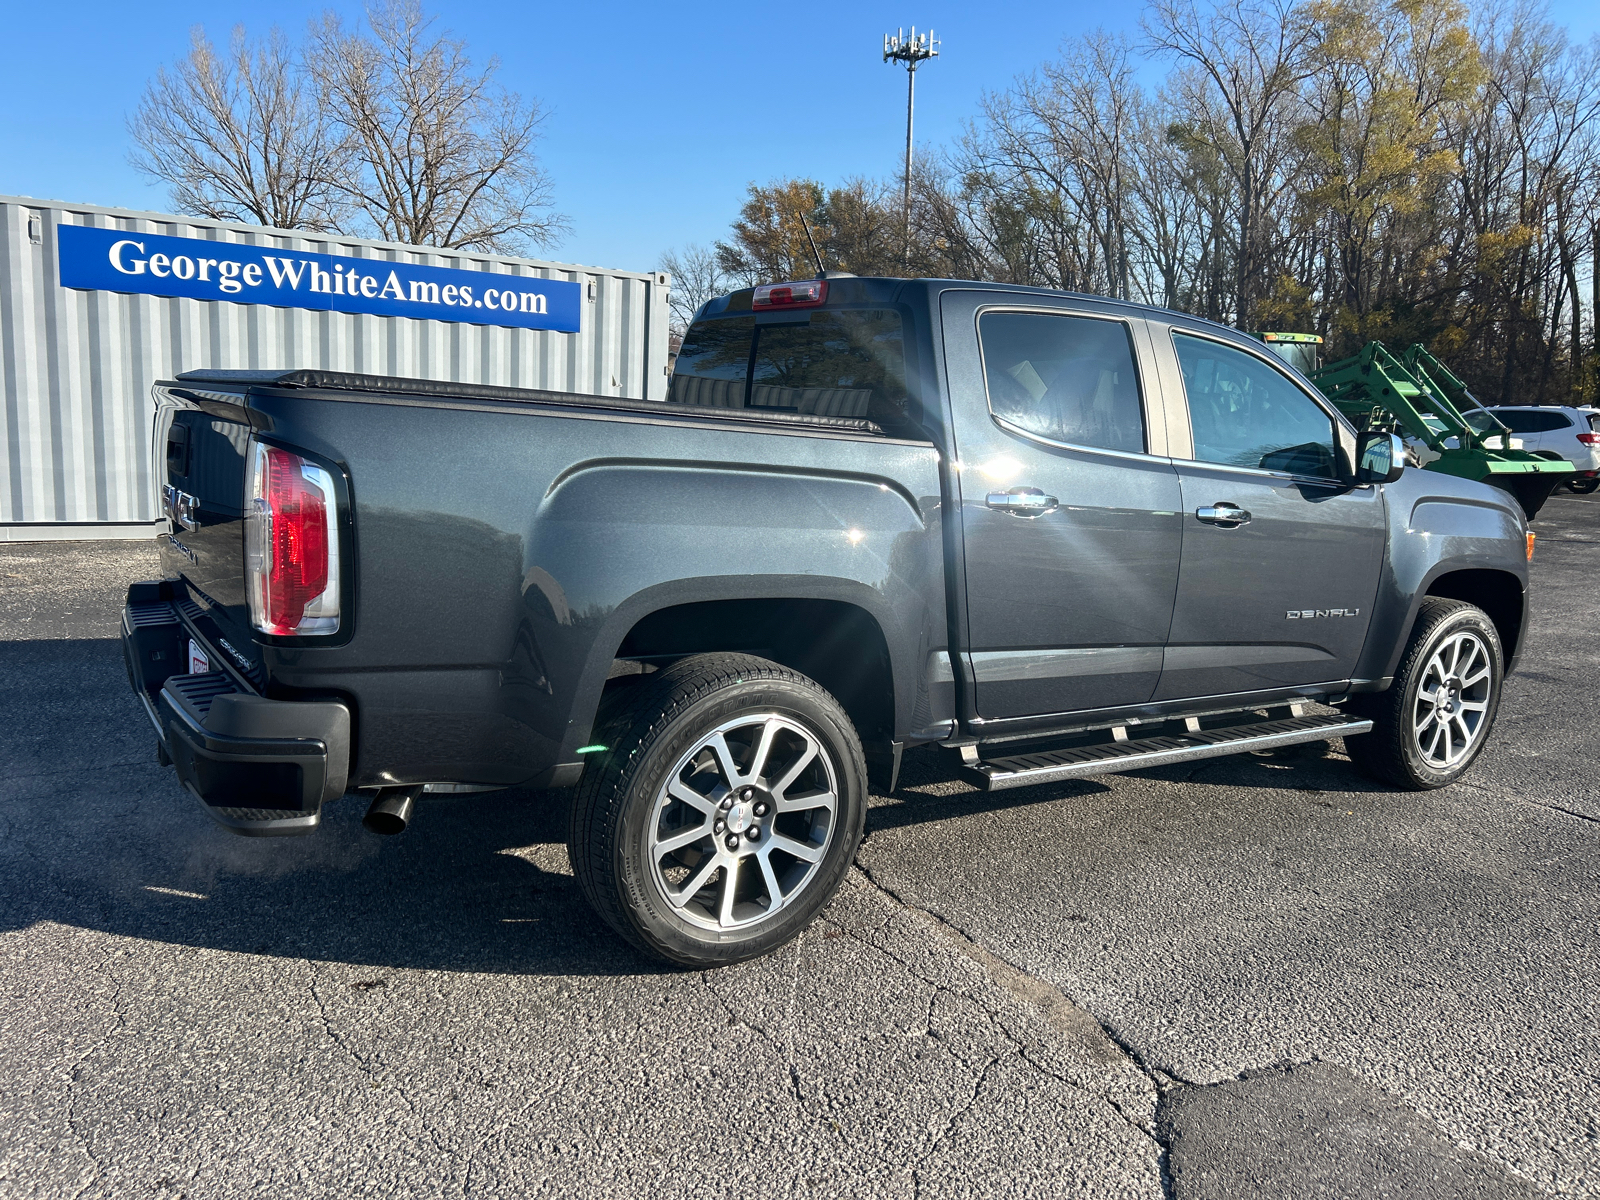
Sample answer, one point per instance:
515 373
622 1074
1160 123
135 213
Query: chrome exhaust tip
390 811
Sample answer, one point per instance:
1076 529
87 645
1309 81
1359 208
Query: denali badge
237 657
1306 614
182 549
180 506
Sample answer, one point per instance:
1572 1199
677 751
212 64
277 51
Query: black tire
1394 751
1582 487
659 728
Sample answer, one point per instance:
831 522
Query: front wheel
724 812
1431 724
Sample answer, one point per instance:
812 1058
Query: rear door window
1517 422
1069 379
1520 420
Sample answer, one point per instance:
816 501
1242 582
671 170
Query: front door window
1245 413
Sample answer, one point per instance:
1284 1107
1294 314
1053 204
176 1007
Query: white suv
1573 433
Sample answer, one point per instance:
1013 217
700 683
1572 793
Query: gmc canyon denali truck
1055 534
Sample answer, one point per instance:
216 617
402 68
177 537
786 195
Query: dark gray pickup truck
1053 534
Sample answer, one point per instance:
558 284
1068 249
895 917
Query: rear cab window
713 363
828 363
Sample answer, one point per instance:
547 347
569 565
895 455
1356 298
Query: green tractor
1417 396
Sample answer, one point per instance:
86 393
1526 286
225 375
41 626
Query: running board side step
1105 758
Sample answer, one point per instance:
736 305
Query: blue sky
660 115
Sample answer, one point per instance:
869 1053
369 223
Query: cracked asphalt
1252 977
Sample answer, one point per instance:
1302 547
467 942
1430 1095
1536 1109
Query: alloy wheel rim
743 821
1452 705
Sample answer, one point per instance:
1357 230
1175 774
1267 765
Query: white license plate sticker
199 664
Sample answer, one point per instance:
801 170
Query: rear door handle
1229 516
1023 502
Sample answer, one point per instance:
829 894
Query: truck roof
888 289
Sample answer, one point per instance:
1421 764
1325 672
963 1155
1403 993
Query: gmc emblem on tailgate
181 507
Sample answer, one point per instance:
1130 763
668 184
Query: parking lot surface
1260 976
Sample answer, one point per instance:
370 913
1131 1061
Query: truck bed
504 544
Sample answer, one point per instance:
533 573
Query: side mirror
1381 457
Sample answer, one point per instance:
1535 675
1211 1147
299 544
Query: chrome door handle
1023 502
1229 516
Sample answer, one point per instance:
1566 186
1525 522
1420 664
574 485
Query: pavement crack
1593 820
370 1069
333 1035
786 1051
1544 804
948 1132
74 1076
1057 1011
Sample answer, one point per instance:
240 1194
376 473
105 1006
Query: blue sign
153 264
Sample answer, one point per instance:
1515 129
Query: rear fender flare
767 588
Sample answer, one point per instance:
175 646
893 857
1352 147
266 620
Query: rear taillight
1589 439
291 545
790 295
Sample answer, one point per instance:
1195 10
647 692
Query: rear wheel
1431 725
1583 486
724 813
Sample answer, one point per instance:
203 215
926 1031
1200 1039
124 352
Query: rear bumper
260 767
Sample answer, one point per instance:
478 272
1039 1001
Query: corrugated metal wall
76 366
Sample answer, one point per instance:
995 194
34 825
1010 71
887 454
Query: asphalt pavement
1260 976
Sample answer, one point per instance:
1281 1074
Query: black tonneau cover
394 385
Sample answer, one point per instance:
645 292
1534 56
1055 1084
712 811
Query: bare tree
445 155
1249 59
240 137
697 276
768 241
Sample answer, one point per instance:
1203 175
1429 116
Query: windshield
1302 356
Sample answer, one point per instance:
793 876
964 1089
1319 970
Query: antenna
815 256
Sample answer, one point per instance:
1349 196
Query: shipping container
77 363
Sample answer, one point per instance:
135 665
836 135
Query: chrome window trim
1318 480
1138 456
1145 413
1317 399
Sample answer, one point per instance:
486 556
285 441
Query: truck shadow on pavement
476 885
95 835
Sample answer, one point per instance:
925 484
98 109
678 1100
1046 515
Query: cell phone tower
911 51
